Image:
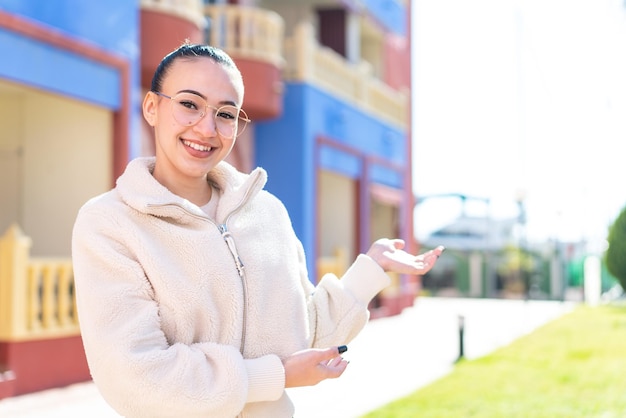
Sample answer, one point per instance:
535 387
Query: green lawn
572 367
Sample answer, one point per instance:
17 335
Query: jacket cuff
266 378
365 278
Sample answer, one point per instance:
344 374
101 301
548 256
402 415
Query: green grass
572 367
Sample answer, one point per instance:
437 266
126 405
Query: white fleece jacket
173 326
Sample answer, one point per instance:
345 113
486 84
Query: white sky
522 96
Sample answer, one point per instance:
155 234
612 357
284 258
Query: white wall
384 220
10 150
337 211
66 154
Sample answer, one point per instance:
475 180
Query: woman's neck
198 191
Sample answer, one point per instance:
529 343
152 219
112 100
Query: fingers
390 255
337 359
335 366
431 256
426 261
334 362
311 366
436 251
330 353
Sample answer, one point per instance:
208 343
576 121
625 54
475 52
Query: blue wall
288 159
112 25
285 147
390 13
42 66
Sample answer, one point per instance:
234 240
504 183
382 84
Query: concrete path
391 358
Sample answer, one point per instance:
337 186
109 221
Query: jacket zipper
230 242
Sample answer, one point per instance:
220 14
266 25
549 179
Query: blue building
327 87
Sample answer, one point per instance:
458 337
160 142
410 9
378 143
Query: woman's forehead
204 75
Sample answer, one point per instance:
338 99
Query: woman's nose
206 126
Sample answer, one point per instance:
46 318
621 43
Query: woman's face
186 153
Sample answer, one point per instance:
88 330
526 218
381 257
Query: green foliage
572 367
615 256
515 259
515 268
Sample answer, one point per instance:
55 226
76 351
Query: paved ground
391 358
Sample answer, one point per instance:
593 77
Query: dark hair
189 51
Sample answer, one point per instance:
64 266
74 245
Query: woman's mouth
197 147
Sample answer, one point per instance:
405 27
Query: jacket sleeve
338 307
135 368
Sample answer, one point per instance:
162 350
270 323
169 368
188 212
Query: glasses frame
243 117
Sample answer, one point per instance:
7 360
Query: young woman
192 290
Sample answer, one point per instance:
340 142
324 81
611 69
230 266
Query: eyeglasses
188 109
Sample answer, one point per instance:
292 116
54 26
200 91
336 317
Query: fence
256 33
308 61
246 32
36 294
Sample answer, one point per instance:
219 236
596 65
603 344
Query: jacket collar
141 191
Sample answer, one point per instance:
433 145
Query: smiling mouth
197 147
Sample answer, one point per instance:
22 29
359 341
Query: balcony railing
246 32
336 264
36 294
310 62
249 32
187 9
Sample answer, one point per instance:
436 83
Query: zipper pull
233 249
239 265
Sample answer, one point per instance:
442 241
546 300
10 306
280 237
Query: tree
615 256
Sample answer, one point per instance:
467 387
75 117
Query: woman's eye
188 104
225 114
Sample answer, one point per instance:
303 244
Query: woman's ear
149 107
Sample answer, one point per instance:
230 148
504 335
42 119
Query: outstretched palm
390 255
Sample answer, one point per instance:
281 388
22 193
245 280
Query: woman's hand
389 254
309 367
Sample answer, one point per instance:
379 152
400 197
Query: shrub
615 256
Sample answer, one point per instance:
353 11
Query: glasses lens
188 108
242 122
230 121
225 119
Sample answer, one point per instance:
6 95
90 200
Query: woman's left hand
389 254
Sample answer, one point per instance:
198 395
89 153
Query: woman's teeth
197 147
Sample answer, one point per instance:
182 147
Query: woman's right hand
309 367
